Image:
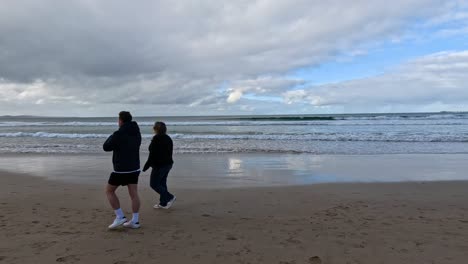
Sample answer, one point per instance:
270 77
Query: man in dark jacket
125 144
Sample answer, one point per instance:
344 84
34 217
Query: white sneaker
157 206
170 203
131 224
117 222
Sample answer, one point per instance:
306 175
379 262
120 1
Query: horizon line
241 115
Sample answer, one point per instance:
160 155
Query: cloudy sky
95 58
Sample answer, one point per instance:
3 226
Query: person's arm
111 143
139 139
138 134
150 156
171 146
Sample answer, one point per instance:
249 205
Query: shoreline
50 221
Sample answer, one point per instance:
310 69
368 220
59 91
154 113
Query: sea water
412 133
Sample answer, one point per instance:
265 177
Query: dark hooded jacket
125 143
160 152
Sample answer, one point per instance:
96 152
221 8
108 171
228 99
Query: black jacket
125 143
160 152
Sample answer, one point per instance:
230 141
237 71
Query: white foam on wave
58 135
51 135
405 117
383 137
169 123
45 124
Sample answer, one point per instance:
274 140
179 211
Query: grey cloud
108 38
181 52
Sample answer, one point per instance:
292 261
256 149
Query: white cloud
269 85
234 96
439 78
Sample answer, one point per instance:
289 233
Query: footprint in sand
315 260
231 237
40 246
70 258
291 240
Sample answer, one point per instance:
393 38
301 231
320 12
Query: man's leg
112 197
114 202
133 192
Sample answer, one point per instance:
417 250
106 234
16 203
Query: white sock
135 218
119 213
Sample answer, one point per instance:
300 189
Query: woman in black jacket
160 159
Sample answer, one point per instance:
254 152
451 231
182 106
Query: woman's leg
169 195
155 180
166 196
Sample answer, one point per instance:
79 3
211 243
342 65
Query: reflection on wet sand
253 170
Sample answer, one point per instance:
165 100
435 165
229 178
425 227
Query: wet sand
235 170
46 221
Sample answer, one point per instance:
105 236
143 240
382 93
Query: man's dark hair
160 128
125 116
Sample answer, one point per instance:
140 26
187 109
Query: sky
164 58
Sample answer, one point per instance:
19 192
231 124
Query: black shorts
123 179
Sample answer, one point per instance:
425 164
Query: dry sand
48 221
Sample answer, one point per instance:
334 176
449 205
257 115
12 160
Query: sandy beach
45 221
277 132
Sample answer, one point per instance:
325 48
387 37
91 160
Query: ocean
350 134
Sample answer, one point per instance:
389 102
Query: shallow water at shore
252 170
